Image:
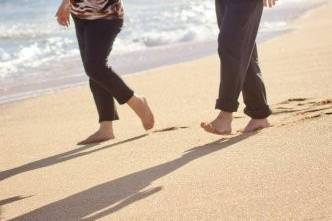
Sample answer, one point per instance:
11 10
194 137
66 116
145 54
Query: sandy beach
177 171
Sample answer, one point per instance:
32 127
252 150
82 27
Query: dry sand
178 172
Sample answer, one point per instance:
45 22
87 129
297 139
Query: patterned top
96 9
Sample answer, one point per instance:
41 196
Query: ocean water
38 56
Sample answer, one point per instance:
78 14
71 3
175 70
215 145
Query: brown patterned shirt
96 9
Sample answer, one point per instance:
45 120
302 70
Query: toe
93 141
209 128
148 126
203 125
83 142
148 122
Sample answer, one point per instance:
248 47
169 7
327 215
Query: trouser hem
226 105
260 113
125 98
108 119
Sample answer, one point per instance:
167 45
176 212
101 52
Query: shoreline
157 57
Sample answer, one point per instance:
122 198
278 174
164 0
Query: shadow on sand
59 158
107 198
12 199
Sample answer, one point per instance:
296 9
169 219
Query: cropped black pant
95 39
238 22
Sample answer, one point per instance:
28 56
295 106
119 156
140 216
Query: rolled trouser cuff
259 113
112 118
227 106
125 97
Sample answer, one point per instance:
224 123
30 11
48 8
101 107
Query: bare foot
222 125
143 111
104 133
256 124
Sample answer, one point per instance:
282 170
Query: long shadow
109 197
59 158
12 199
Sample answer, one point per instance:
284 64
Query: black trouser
95 39
238 22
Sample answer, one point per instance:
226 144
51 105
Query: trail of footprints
298 109
287 112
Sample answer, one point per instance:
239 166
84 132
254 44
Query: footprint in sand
297 109
286 112
169 129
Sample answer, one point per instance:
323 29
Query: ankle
225 115
134 101
106 125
